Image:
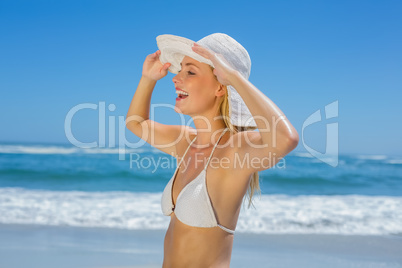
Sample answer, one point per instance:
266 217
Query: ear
221 91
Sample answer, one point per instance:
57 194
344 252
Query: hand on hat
223 70
153 68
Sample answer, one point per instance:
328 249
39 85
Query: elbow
133 121
133 127
290 141
293 140
129 124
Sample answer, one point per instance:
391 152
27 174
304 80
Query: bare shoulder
246 153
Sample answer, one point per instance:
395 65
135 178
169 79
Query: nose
176 78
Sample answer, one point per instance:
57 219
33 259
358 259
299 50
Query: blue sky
305 55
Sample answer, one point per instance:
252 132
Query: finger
202 51
156 54
166 66
205 52
153 56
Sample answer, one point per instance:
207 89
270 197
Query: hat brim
174 48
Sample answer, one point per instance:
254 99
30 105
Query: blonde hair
254 184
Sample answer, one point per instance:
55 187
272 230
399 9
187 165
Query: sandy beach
24 246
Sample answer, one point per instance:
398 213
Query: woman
219 160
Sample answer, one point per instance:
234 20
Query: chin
178 110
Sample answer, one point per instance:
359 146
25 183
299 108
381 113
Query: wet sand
33 246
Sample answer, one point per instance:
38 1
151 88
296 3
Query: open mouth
181 94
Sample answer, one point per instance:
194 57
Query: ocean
61 185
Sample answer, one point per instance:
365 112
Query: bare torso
188 246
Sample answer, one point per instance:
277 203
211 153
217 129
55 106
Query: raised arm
276 137
162 137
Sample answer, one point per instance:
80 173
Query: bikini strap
223 132
181 160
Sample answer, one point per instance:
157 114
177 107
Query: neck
208 132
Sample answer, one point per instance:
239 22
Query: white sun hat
174 48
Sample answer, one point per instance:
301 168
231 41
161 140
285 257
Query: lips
181 97
181 94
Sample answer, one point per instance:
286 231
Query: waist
207 247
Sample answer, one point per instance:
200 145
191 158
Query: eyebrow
189 63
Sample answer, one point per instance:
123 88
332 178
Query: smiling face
200 86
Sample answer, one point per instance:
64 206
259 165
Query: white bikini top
193 205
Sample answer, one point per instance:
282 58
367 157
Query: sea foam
47 149
274 214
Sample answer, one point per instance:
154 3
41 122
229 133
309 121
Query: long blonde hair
254 184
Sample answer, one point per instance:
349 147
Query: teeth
181 92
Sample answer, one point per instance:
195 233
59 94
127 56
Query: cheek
211 83
203 100
202 89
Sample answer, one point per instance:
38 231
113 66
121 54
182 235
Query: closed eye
188 72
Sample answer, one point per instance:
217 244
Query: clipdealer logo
330 156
